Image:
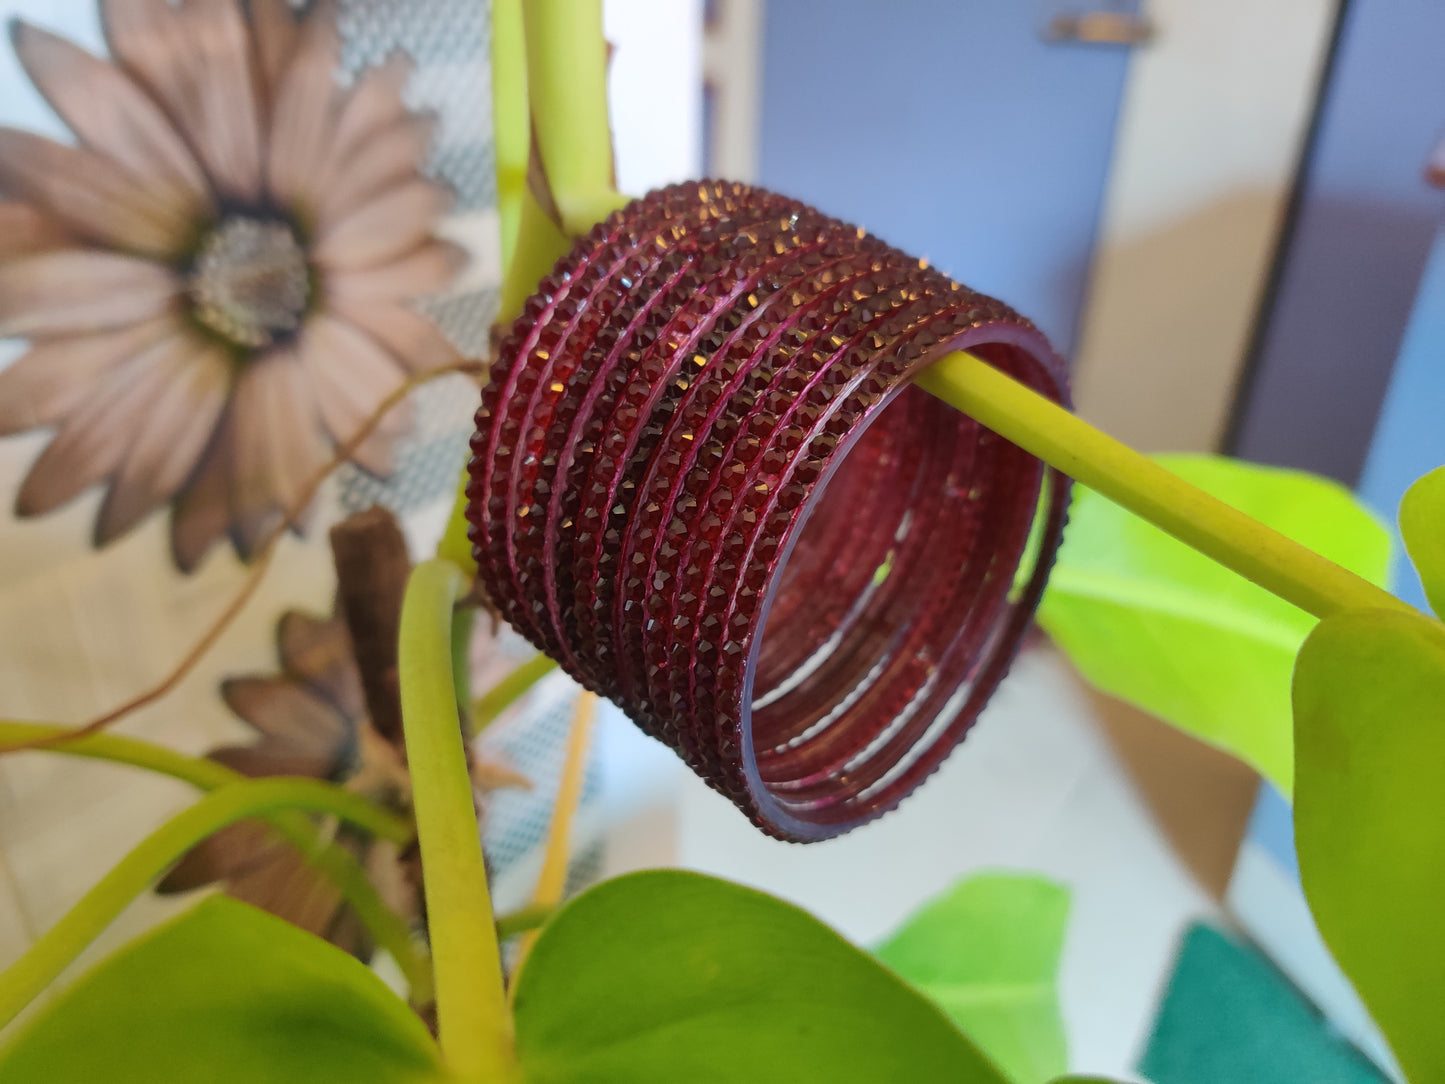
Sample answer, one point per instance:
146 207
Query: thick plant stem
464 621
339 865
1237 541
511 130
540 244
511 124
472 1017
531 241
64 941
549 98
567 87
455 546
557 100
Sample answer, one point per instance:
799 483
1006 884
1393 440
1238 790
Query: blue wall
1353 263
1410 437
950 129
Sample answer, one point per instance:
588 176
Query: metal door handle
1100 28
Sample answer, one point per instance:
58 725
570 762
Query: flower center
250 281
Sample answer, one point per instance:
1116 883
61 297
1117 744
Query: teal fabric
1229 1017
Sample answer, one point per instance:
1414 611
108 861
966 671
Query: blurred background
1227 215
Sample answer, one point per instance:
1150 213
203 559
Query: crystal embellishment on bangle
702 482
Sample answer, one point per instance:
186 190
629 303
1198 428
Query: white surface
655 91
1034 788
1214 117
20 103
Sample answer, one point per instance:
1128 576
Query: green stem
464 621
561 88
78 927
475 1030
501 696
540 244
567 88
531 241
511 128
1238 542
531 917
455 546
386 927
197 771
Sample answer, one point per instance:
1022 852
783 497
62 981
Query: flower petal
278 445
53 378
373 105
385 227
413 339
292 718
71 291
201 513
172 435
96 434
391 158
24 230
88 195
305 110
348 933
318 652
196 59
270 758
350 375
396 873
225 853
110 114
148 39
288 887
424 270
274 27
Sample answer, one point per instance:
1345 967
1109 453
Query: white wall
655 91
1215 113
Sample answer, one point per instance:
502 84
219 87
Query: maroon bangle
702 482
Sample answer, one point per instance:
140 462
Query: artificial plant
667 975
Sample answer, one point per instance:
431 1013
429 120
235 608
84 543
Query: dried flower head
214 279
311 720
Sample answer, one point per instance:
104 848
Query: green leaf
1422 522
224 993
987 951
1370 816
666 976
1149 620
